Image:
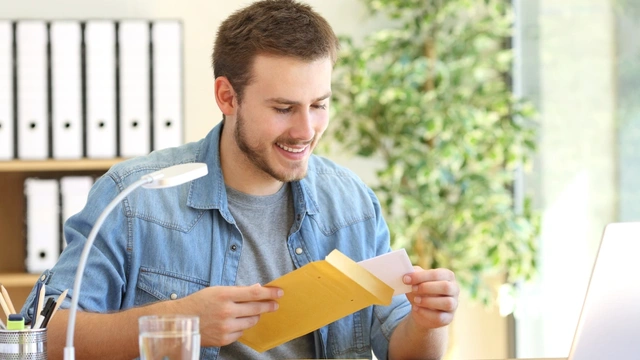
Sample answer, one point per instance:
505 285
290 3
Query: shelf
18 280
14 166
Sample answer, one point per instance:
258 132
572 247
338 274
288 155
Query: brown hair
275 27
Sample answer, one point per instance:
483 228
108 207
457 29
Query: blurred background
576 63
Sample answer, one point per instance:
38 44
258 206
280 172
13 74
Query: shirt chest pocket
158 285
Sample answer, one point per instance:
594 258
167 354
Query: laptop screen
609 324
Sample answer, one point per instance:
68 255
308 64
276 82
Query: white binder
66 90
74 191
43 224
100 57
167 84
6 90
32 125
135 133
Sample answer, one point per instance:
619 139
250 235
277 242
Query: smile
286 148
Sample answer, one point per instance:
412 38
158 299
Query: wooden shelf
15 166
18 279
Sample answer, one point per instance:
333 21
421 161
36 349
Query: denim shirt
165 244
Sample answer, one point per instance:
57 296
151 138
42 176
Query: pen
7 299
39 304
35 302
44 314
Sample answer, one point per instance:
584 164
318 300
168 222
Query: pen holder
28 344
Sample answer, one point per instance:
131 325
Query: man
266 207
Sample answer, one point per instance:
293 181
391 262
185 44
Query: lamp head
175 175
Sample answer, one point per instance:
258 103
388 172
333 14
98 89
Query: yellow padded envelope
315 295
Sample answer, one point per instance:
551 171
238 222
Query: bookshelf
13 173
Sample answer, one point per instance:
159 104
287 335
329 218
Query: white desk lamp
171 176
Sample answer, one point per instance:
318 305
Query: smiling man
267 207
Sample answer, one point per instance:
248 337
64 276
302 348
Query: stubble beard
258 155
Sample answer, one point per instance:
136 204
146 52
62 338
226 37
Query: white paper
390 268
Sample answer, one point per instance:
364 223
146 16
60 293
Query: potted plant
430 99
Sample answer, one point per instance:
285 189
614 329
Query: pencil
58 303
8 299
5 308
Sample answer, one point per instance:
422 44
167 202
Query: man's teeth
291 149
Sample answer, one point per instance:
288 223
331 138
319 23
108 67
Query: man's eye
320 106
283 110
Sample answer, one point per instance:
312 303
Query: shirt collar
208 192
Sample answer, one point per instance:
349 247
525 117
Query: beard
258 155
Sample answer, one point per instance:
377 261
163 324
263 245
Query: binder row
49 203
94 89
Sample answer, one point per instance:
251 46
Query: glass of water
169 337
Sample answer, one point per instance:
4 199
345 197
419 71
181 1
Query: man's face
283 114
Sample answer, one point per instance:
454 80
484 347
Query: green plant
430 99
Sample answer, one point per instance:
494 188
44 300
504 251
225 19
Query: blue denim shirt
161 243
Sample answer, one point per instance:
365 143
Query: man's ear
225 96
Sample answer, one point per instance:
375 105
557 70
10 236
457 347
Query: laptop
609 324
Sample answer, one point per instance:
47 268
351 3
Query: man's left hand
434 297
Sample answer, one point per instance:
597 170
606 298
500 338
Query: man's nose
302 129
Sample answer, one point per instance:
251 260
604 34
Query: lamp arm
69 351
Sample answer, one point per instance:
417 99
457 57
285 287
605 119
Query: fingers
238 325
254 292
251 308
436 288
420 276
443 303
434 317
434 296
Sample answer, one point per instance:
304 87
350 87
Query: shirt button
298 251
173 296
299 217
234 247
43 278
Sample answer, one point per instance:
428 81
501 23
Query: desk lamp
171 176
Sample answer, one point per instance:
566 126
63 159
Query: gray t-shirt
265 223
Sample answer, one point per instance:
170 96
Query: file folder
33 122
74 191
135 127
100 62
66 90
167 84
6 91
43 224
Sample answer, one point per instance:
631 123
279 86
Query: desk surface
564 358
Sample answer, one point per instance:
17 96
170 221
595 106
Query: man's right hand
226 311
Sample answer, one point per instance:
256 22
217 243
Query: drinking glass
169 337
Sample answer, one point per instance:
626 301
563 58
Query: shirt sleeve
385 318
